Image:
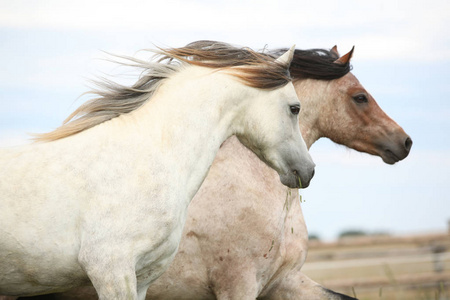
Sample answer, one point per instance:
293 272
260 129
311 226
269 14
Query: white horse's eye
295 109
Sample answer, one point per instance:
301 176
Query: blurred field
397 268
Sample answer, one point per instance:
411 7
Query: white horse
104 197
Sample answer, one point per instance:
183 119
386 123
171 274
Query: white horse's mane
252 68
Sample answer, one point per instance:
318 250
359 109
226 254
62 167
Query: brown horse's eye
295 109
360 99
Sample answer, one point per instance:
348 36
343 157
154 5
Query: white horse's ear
286 58
346 58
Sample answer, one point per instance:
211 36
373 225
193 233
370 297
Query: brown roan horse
245 236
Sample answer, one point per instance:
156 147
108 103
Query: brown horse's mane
306 64
315 64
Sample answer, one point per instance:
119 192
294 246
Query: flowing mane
306 64
250 67
254 69
315 64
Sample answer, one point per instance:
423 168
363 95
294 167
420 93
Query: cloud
411 20
380 30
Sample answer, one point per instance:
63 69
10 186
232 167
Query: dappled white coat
109 204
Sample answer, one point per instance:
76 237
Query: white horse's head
272 132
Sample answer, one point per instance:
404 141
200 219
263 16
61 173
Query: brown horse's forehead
349 84
357 89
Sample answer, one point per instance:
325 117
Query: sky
50 49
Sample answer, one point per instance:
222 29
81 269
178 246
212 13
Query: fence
383 267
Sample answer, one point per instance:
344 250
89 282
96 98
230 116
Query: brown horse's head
341 109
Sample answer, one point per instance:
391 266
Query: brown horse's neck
309 136
308 94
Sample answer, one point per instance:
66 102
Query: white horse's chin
292 181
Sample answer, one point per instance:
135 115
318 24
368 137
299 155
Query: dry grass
400 268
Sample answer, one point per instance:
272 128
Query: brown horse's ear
334 50
346 58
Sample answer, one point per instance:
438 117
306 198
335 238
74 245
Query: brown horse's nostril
408 144
313 172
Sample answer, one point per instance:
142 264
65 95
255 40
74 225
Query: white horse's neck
214 102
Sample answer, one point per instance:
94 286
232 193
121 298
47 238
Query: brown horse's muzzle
395 150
